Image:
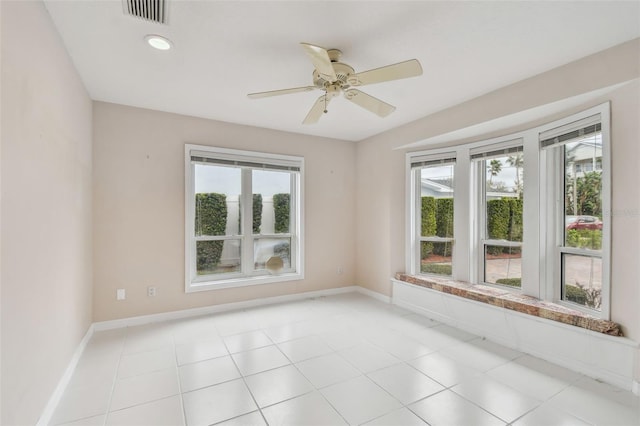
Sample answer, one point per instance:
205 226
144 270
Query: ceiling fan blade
406 69
280 92
316 110
368 102
321 61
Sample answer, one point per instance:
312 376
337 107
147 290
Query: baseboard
378 296
187 313
52 404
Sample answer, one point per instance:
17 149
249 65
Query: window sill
241 282
515 302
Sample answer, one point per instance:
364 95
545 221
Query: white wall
138 185
46 210
381 167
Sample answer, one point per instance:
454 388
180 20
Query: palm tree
516 161
495 167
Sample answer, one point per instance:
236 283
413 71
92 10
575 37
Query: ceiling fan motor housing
343 72
334 78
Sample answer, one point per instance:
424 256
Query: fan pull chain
325 102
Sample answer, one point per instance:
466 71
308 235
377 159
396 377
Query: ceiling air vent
149 10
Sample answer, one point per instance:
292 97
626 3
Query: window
578 237
530 212
434 190
499 174
243 218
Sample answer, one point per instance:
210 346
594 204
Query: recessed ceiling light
158 42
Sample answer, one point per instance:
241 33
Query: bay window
530 212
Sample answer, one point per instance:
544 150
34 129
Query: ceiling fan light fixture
158 42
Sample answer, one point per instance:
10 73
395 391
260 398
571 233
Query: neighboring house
431 188
586 156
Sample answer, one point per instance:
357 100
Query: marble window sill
516 302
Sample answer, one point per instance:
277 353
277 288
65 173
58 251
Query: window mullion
246 229
417 214
190 222
461 220
531 181
482 222
293 222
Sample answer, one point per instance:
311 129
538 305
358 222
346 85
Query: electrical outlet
340 270
151 291
120 294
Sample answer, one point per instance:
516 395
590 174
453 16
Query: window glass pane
503 265
217 195
435 257
436 193
503 195
217 257
583 193
582 280
268 252
271 202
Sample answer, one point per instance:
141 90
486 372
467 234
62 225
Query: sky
507 175
226 180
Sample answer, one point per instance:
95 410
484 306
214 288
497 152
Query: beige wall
381 235
46 210
112 212
139 208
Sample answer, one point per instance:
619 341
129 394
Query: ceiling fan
335 77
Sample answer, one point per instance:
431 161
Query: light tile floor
345 359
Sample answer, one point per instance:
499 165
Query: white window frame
540 253
416 207
552 211
484 153
246 161
459 258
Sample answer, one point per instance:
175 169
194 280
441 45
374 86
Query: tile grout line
182 409
244 381
115 377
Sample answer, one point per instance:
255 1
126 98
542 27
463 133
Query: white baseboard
374 294
52 404
596 355
187 313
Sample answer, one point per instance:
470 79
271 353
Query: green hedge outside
515 224
282 209
211 219
504 222
428 224
436 220
257 213
436 268
585 238
575 294
512 282
444 224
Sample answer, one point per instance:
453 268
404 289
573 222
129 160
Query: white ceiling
224 50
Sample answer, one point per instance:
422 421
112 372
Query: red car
583 222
